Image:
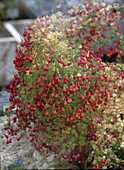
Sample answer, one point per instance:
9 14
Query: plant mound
64 88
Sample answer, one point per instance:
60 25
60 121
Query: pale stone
50 158
31 158
37 155
45 165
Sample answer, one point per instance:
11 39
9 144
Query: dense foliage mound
64 88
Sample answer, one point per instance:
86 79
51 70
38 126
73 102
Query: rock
45 165
50 158
31 158
37 155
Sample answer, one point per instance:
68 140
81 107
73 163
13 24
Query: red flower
56 95
57 144
47 18
18 138
32 139
91 119
47 113
48 24
85 2
69 100
31 71
97 8
52 52
65 103
114 87
67 33
55 112
98 144
24 33
39 27
90 110
58 102
72 34
63 109
36 139
49 59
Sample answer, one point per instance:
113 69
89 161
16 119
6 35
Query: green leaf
72 146
99 159
67 132
61 139
73 139
63 146
108 160
73 131
81 142
94 162
120 129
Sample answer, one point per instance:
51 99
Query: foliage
65 89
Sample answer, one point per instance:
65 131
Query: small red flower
120 52
90 110
63 110
55 112
72 34
97 8
65 103
24 33
91 119
47 18
49 59
64 89
31 71
85 2
67 33
58 102
56 95
47 113
52 52
98 144
48 24
60 135
18 138
69 100
39 27
52 95
118 56
32 139
36 139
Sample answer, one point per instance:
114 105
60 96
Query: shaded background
21 9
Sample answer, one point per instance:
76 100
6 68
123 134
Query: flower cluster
62 85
